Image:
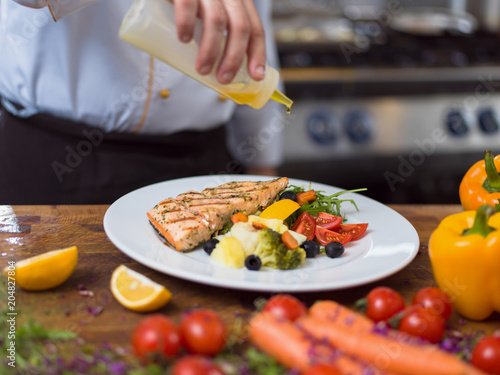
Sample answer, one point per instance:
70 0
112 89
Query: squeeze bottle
150 26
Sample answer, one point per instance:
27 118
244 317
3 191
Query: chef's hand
245 35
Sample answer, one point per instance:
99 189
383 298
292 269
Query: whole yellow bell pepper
465 256
481 183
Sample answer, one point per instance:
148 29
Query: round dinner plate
389 244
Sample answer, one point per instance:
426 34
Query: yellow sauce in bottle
244 98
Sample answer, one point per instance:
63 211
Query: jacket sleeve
255 135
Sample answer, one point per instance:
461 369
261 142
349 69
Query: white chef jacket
79 69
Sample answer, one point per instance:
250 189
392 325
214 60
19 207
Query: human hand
245 36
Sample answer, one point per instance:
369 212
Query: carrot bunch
334 334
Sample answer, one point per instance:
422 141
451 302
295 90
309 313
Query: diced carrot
294 349
385 352
306 197
289 240
239 217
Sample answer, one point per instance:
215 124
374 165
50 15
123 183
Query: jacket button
222 98
164 93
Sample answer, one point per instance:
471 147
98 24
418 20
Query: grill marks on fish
177 224
193 217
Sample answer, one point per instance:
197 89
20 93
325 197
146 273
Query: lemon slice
280 210
45 271
136 292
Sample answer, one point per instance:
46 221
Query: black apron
47 160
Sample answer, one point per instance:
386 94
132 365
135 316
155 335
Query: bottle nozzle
283 99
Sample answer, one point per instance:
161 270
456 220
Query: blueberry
289 195
209 246
334 249
253 262
311 248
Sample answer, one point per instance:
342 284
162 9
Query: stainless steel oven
401 111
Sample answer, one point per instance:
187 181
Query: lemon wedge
47 270
137 292
280 210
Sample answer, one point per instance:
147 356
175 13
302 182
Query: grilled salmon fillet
193 217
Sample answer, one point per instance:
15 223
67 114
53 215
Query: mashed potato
247 235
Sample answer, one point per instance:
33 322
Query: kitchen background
400 97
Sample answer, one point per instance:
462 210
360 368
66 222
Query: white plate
389 244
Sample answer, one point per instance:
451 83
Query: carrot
293 348
306 197
387 353
337 313
239 216
289 240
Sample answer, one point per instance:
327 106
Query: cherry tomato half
322 369
195 365
285 306
305 224
356 230
435 299
327 221
422 322
486 354
156 337
325 236
202 332
383 303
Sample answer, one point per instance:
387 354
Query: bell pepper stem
492 182
480 225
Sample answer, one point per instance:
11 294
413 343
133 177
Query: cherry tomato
195 365
156 337
285 306
435 299
325 236
203 332
383 303
486 354
322 369
327 221
305 224
356 230
422 322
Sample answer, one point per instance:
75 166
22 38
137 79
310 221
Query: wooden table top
30 230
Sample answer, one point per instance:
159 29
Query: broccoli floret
226 228
273 253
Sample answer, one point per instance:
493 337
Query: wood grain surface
30 230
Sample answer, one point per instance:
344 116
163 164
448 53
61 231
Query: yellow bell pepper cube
280 210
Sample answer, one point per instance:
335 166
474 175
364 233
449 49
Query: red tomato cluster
327 228
425 318
201 333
